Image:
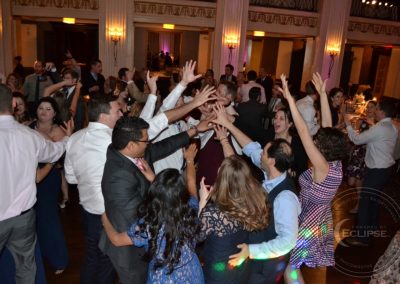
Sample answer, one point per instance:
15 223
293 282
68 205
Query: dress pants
97 267
18 234
268 271
370 198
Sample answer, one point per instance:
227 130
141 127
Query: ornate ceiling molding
175 10
69 4
281 19
374 28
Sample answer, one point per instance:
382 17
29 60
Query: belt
26 211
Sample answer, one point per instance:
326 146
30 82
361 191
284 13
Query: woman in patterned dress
314 246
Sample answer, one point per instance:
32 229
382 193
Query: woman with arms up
319 184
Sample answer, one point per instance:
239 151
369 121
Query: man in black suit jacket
125 183
93 81
228 76
267 82
250 117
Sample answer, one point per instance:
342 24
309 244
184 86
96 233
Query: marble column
333 22
6 54
231 25
116 17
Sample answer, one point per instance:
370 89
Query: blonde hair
240 196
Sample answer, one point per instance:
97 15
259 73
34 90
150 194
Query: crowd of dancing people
199 181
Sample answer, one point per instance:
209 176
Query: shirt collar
385 119
97 125
269 185
6 117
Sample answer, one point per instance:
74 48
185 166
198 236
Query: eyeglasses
144 141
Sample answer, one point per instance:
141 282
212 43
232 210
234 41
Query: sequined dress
314 246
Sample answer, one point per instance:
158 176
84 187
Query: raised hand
146 169
152 83
190 153
319 84
68 127
69 82
221 132
204 96
222 117
79 85
130 73
285 89
188 73
204 191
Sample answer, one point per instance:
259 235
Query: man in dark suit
228 76
124 185
267 82
250 117
93 81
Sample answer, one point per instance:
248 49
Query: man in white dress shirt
21 150
379 160
244 90
307 109
84 166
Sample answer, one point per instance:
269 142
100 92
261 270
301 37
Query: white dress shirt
286 211
160 121
381 142
160 128
307 110
245 88
21 150
84 164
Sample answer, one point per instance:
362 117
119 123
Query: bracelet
189 162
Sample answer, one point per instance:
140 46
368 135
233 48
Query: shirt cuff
252 146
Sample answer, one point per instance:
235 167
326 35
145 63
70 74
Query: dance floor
352 262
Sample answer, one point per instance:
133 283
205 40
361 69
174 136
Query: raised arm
222 119
117 239
187 77
221 134
148 109
74 103
326 116
190 154
321 166
55 87
201 97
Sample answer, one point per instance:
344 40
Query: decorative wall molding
374 28
287 20
379 31
175 10
283 21
69 4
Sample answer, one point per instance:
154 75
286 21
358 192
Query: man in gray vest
269 249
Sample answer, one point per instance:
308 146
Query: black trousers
268 271
97 267
370 200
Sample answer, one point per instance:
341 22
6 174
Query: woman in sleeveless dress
314 246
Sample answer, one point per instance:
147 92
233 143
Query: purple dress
314 246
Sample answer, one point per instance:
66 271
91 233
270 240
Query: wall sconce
333 52
232 43
168 26
70 21
259 33
115 37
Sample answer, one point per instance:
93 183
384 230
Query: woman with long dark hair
166 227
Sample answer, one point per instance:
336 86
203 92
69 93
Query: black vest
269 233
